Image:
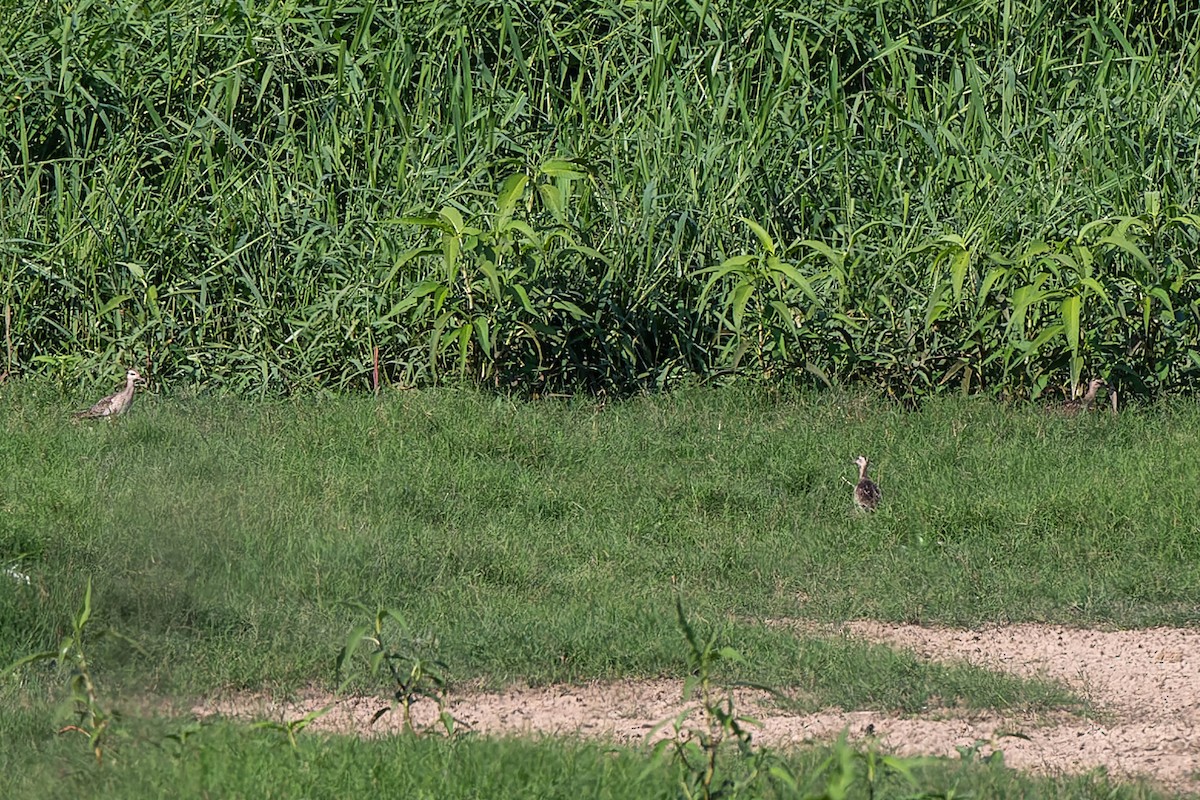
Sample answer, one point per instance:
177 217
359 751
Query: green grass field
229 761
277 199
545 542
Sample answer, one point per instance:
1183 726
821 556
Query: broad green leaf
439 298
1086 229
835 258
936 307
575 311
1152 202
785 315
1033 250
1058 259
1192 220
993 276
1070 309
1046 335
958 272
464 345
1129 247
739 298
406 257
506 201
795 277
1095 286
395 615
42 655
565 168
730 654
452 217
353 640
450 252
107 308
1160 294
525 230
764 238
729 265
421 289
490 272
428 222
483 334
1124 224
85 613
590 252
818 373
553 200
522 297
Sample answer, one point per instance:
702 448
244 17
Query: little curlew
116 403
866 491
1084 404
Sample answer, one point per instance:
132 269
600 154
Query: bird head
133 376
862 462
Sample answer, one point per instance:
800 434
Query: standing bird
116 403
866 491
1083 404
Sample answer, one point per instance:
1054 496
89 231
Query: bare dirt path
1142 688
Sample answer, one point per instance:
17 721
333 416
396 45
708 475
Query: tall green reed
212 190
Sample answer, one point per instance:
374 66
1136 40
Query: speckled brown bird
866 491
1083 404
116 403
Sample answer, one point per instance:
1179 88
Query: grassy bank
547 541
227 543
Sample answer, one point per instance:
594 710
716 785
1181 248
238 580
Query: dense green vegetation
914 195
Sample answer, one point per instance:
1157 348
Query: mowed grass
224 760
546 541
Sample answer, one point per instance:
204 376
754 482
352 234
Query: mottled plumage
866 492
1082 404
114 404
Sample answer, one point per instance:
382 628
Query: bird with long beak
1084 404
116 403
866 491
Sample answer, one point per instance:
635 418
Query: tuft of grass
159 757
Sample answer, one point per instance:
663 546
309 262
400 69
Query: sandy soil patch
1142 687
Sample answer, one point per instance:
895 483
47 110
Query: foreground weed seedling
707 772
840 771
93 718
696 746
973 752
413 675
291 727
